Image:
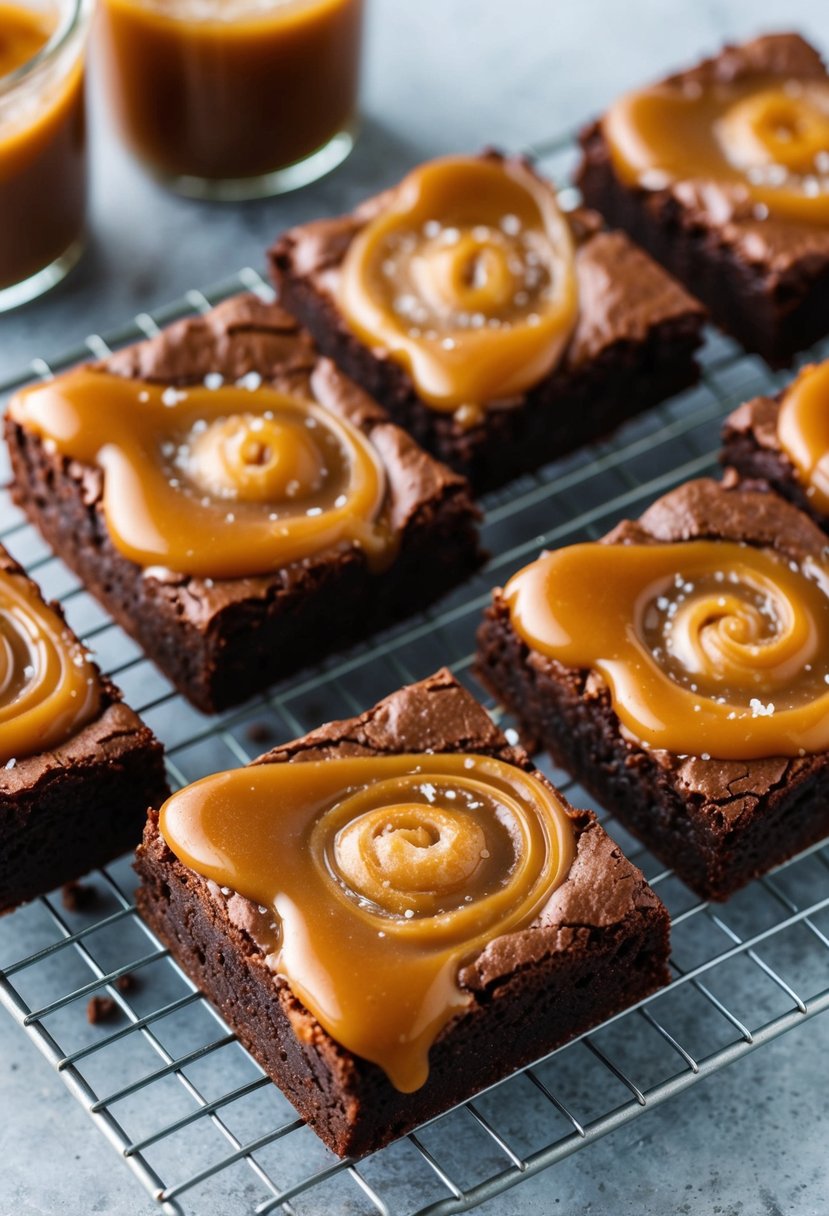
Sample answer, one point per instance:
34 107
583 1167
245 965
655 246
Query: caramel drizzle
765 139
383 875
219 482
48 688
708 648
467 279
803 431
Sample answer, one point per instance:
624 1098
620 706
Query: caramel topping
803 431
181 465
383 876
467 279
708 648
764 139
48 688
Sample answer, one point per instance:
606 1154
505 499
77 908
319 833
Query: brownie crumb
78 896
101 1009
126 983
259 732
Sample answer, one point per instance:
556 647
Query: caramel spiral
763 140
467 279
219 482
48 688
384 875
708 648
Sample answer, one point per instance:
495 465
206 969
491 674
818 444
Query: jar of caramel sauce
43 175
234 99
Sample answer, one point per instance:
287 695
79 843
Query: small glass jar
235 99
43 161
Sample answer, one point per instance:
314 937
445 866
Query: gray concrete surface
441 75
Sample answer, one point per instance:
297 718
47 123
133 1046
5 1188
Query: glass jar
235 99
43 162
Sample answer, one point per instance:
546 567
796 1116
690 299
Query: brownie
78 806
633 346
600 944
764 280
219 641
752 448
718 823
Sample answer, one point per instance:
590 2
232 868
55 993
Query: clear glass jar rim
77 12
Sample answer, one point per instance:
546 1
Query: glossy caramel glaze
48 688
229 89
803 431
219 482
467 279
708 648
42 149
383 876
763 139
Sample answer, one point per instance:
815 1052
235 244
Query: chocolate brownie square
220 640
80 800
753 447
633 345
717 822
763 274
599 944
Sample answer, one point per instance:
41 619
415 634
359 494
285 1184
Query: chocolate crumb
259 732
101 1009
78 896
126 983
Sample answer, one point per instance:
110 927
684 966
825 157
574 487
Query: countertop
442 75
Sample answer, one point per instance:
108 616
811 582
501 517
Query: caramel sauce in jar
708 648
803 431
219 482
42 145
232 90
48 688
382 877
467 280
764 140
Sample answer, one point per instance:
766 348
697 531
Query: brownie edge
600 945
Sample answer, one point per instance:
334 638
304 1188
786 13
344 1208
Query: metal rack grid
166 1083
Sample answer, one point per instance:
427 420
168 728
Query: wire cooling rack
168 1085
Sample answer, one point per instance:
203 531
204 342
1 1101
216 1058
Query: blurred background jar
43 163
234 99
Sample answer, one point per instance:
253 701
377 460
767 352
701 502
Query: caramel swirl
467 279
803 431
708 648
765 139
182 465
384 875
48 688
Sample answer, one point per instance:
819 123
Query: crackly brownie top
231 418
433 783
717 662
741 141
621 293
